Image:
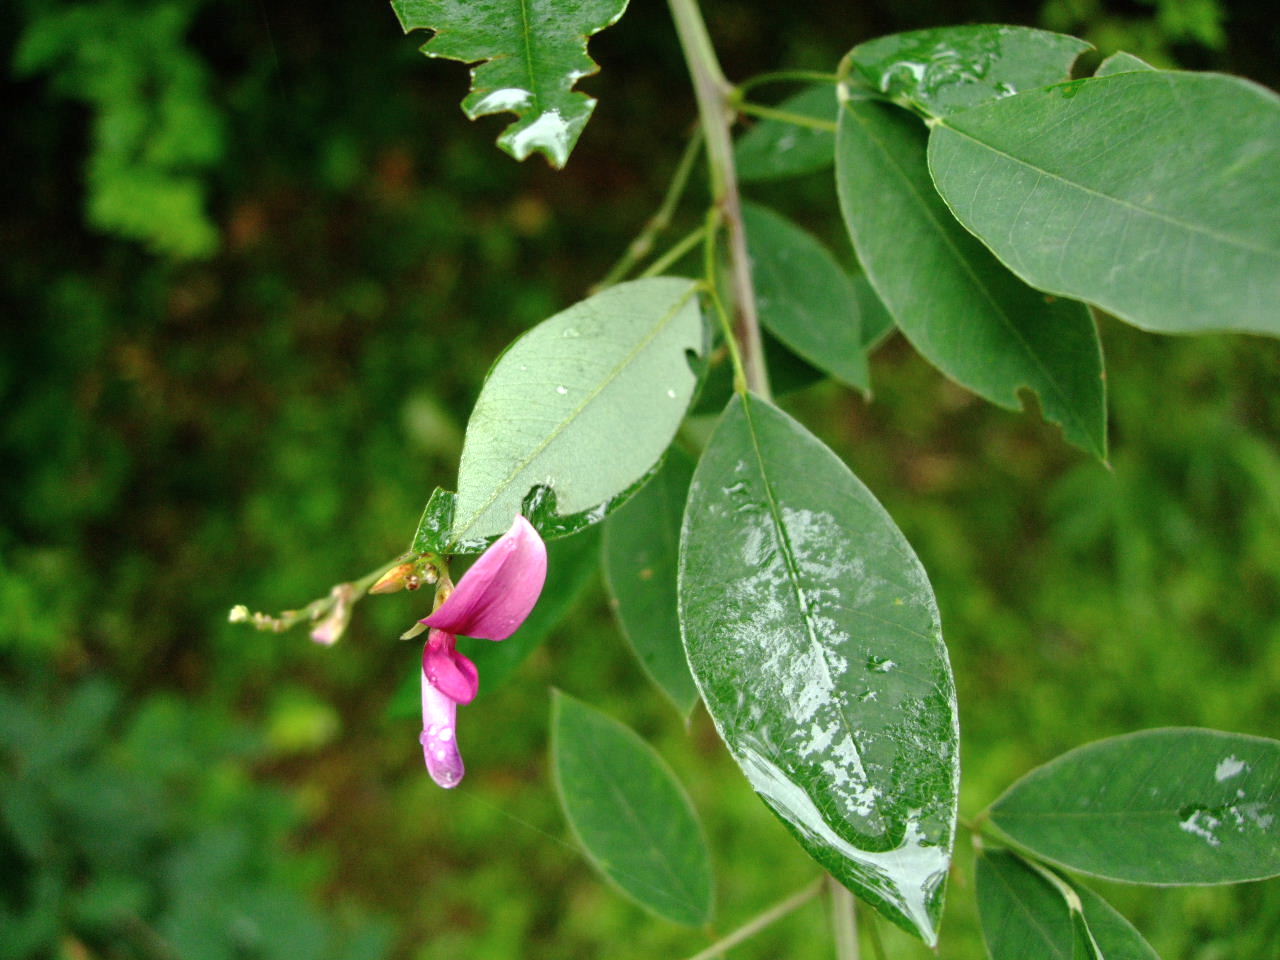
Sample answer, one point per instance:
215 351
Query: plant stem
760 921
687 243
786 76
639 248
844 920
799 119
709 235
715 98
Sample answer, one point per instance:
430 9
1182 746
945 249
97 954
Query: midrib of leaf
654 851
528 54
968 269
1119 201
793 573
573 414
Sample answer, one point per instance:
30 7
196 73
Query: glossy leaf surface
804 296
432 535
529 54
774 149
963 311
955 68
1121 62
814 639
633 819
641 558
1208 802
1153 194
544 435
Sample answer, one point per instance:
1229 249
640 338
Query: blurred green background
255 266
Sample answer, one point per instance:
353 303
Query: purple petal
439 736
449 671
493 598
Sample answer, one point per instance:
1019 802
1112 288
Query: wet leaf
1208 802
432 535
955 68
629 813
814 639
1121 62
528 54
543 437
774 149
1153 194
641 557
963 311
804 296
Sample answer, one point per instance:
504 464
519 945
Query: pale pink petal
493 598
448 670
439 737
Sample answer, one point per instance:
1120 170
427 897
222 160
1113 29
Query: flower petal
439 736
449 671
493 598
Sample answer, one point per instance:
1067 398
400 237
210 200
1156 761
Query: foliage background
255 266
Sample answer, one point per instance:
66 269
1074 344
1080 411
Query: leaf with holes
629 813
964 312
1209 802
577 412
813 635
528 56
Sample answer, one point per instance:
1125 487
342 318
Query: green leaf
1115 936
814 639
641 557
528 56
1121 62
1022 914
955 68
876 322
544 434
963 311
804 297
774 149
629 813
1166 806
571 564
432 535
1153 194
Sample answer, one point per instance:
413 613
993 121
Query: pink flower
491 601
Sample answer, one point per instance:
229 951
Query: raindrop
562 390
671 394
446 734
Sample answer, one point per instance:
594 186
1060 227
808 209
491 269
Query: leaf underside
1153 194
528 56
960 308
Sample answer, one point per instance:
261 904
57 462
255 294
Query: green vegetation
257 265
